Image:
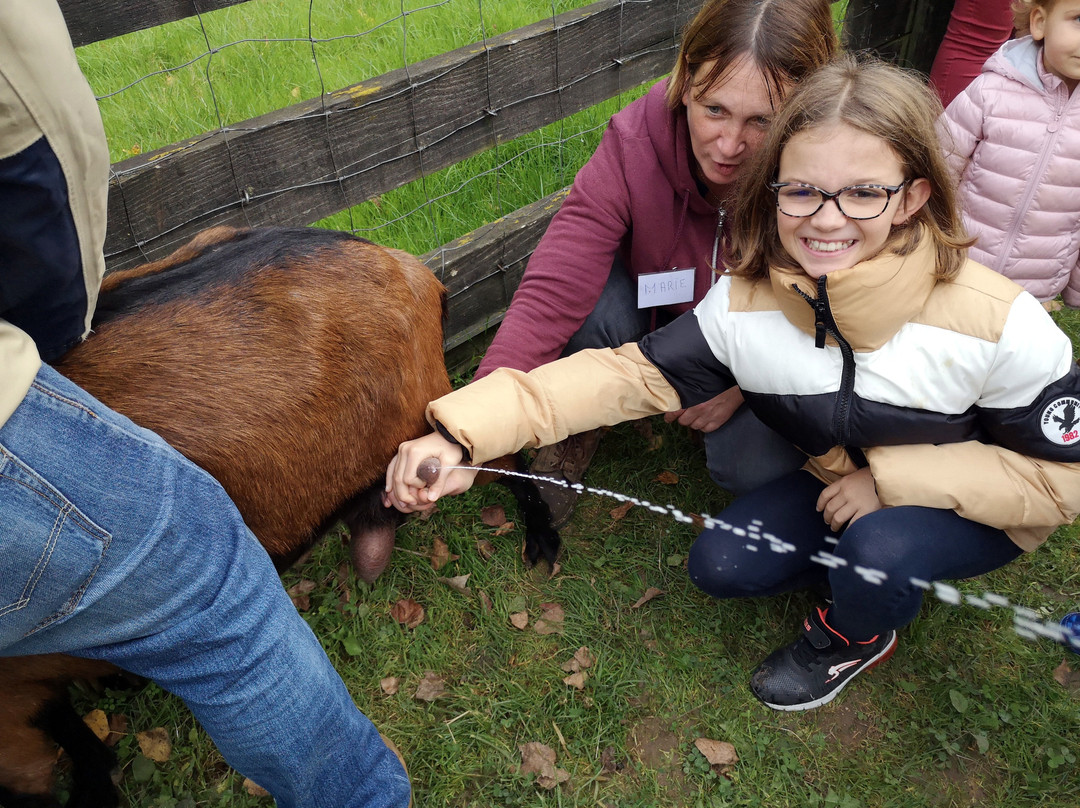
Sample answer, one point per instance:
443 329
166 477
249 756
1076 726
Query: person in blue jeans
116 547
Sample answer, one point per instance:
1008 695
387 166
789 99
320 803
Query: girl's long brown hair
881 100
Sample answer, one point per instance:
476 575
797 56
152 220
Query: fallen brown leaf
118 729
1065 676
485 548
650 593
576 680
300 593
304 587
621 511
485 601
155 744
581 660
520 620
430 687
254 789
720 754
504 528
551 619
539 759
667 477
493 515
390 685
441 555
408 612
458 583
98 723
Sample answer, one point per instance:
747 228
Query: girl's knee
717 566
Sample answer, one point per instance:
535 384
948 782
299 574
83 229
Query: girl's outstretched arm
510 410
407 491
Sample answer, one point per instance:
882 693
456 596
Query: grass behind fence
966 712
166 84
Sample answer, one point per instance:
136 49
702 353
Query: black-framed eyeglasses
800 200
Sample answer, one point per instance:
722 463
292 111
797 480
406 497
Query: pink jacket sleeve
961 128
569 267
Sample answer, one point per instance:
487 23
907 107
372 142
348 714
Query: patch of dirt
841 723
964 783
653 745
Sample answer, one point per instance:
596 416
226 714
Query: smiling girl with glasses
936 401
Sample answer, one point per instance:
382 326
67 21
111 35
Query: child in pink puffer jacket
1015 137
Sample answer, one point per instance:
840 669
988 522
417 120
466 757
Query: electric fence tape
1026 622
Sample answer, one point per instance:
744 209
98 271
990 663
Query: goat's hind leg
27 763
29 758
92 761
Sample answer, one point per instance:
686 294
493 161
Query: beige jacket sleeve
509 410
1026 497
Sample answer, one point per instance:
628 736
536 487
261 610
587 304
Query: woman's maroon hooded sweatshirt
636 196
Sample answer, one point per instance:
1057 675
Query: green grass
966 712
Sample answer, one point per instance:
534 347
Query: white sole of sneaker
877 659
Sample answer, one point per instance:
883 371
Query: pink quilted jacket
1013 137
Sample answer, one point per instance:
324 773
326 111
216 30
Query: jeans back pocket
49 551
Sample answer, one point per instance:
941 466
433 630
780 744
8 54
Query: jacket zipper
825 325
721 214
1033 182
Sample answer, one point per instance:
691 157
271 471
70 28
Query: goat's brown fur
294 394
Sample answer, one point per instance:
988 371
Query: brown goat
289 363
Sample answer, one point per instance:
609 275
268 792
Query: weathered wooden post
905 31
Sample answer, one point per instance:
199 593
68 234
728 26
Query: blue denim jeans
741 455
116 547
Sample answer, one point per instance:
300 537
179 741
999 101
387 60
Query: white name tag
665 288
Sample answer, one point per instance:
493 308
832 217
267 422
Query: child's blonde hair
786 39
880 100
1022 9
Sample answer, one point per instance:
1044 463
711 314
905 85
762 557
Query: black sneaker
814 668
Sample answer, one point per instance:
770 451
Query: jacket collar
869 302
1021 60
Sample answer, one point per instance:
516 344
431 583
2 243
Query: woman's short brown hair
879 99
786 39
